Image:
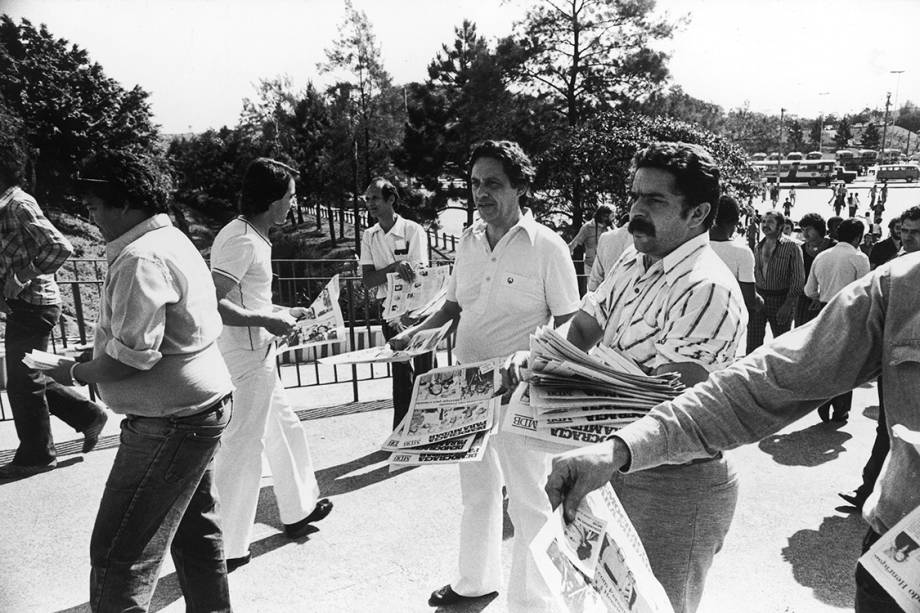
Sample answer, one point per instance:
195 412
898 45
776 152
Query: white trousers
262 421
523 472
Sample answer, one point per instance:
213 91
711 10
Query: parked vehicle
898 172
814 155
812 172
795 155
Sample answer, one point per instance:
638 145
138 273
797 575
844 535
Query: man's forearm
449 312
234 315
103 369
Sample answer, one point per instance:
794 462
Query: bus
889 156
847 158
812 172
867 157
758 157
814 155
896 172
795 155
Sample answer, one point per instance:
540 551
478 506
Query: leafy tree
815 134
679 105
753 131
795 136
379 107
600 151
844 133
68 106
590 55
908 117
871 137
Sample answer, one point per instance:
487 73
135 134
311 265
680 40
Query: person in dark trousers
31 250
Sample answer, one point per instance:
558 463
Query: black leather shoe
234 563
320 511
854 499
840 418
91 432
824 413
446 596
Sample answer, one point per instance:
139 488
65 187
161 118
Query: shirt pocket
517 285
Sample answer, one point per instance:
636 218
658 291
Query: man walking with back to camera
31 250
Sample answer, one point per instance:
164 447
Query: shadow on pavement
825 559
61 464
336 480
812 446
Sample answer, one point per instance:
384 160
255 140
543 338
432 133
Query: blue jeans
33 396
160 495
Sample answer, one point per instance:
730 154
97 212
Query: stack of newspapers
573 398
452 414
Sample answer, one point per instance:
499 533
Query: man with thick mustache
511 276
672 305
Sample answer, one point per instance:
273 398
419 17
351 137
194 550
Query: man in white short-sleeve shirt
511 275
393 244
736 255
263 419
610 247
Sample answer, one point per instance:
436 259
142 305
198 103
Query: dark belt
214 408
772 292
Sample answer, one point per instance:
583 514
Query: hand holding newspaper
322 324
894 561
571 398
451 416
42 360
421 343
417 296
596 563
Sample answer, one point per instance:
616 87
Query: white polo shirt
241 253
610 247
507 292
406 241
685 307
834 269
738 257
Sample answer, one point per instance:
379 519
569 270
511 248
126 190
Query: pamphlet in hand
418 297
421 343
322 325
894 561
451 416
597 563
42 360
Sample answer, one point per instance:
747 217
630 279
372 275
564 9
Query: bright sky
199 58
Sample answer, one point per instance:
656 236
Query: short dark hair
695 171
515 163
13 150
832 224
728 213
133 177
265 181
913 213
815 222
603 210
891 224
387 188
850 230
780 218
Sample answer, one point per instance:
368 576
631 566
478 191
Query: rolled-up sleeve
139 292
771 388
560 283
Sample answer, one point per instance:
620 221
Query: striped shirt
784 271
27 239
685 307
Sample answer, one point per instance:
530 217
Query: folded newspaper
422 342
451 416
42 360
322 325
596 563
417 298
571 398
894 559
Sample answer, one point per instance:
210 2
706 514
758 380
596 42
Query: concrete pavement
393 537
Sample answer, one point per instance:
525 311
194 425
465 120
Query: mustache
640 224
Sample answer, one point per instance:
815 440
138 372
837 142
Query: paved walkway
392 537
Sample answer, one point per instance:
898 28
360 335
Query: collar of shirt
675 263
527 223
780 240
115 247
398 229
7 196
843 245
